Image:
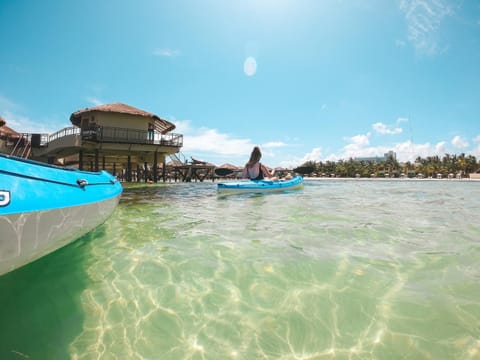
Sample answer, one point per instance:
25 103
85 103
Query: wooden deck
194 172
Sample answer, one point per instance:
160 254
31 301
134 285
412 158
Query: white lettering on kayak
4 198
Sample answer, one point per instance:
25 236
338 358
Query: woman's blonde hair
255 156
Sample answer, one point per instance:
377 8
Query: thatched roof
161 125
6 131
201 162
230 166
174 163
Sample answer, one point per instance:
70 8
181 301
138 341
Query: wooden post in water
155 165
96 159
114 170
164 168
129 168
80 159
145 171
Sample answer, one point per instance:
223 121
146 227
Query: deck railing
72 130
123 135
116 135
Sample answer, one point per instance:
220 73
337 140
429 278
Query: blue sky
304 79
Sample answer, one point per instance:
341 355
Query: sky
306 80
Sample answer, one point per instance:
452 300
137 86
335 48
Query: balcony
116 135
131 136
69 141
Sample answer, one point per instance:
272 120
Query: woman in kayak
254 170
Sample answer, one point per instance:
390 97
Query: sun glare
250 66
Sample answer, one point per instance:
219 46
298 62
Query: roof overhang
161 125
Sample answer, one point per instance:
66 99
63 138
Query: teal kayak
260 186
44 207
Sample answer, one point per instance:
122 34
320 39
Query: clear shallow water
339 270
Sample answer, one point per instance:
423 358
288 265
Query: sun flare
250 66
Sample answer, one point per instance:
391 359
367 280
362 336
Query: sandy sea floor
355 269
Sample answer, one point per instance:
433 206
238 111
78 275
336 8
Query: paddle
302 170
223 171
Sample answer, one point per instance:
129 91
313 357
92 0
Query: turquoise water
339 270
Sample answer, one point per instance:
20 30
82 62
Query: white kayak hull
44 207
28 236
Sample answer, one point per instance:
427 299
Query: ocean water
339 270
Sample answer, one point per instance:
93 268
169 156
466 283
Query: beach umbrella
229 166
174 163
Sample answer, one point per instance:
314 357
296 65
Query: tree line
432 166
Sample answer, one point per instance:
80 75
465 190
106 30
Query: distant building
391 155
475 175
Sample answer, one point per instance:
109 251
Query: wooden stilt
96 159
80 159
129 168
155 165
164 169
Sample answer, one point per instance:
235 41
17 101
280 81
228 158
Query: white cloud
476 151
181 127
405 151
7 104
459 143
95 101
314 155
210 143
424 18
273 144
18 122
13 113
360 140
358 146
383 129
408 151
402 120
216 147
23 124
440 148
353 151
166 52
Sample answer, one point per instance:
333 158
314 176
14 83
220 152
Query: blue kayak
44 207
260 186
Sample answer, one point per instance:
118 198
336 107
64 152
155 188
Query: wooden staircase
22 147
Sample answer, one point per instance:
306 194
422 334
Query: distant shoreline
388 179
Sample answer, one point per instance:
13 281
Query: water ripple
340 270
